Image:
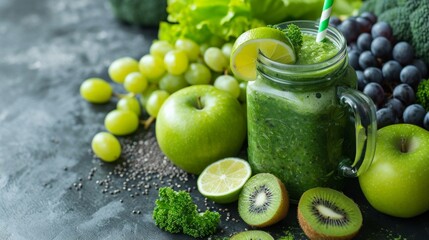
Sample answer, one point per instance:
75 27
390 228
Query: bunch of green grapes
149 82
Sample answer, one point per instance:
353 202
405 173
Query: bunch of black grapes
387 70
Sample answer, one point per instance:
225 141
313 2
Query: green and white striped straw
324 20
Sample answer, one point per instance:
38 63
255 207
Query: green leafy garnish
293 32
175 212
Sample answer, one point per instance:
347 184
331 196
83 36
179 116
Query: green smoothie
312 52
297 133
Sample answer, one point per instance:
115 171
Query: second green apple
397 181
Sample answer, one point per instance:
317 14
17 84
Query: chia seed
142 169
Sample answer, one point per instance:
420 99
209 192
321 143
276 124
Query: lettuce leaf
218 21
205 20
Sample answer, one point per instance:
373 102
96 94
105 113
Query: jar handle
363 109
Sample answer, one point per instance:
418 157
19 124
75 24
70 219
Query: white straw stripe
326 14
321 35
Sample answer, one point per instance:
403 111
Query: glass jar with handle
307 123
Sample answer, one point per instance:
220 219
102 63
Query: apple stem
199 103
403 145
146 123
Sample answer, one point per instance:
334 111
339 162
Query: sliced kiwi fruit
325 213
252 235
263 200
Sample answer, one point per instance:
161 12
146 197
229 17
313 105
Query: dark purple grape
381 48
353 47
361 80
354 59
403 53
405 93
375 91
373 74
414 114
422 67
367 59
364 41
385 117
381 29
364 24
349 28
426 121
396 105
411 75
370 16
334 21
391 71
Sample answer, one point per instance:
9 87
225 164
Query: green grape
204 47
152 67
215 59
135 83
121 67
129 103
106 146
198 73
155 101
191 48
160 48
96 90
226 50
243 89
146 94
229 84
176 62
121 122
171 83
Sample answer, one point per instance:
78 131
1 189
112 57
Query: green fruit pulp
260 199
329 212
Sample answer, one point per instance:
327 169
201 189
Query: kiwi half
325 213
252 235
263 200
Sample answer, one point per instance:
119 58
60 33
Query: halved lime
223 180
273 43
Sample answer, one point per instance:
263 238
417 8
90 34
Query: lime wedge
273 43
222 180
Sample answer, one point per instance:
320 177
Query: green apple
397 182
199 125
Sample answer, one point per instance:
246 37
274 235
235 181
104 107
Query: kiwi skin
252 235
283 208
314 235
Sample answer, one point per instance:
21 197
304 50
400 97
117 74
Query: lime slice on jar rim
272 42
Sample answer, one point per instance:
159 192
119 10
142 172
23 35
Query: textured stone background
47 48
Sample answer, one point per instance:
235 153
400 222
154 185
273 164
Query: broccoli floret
419 22
378 6
175 212
409 21
293 32
410 5
202 225
398 19
422 94
384 5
